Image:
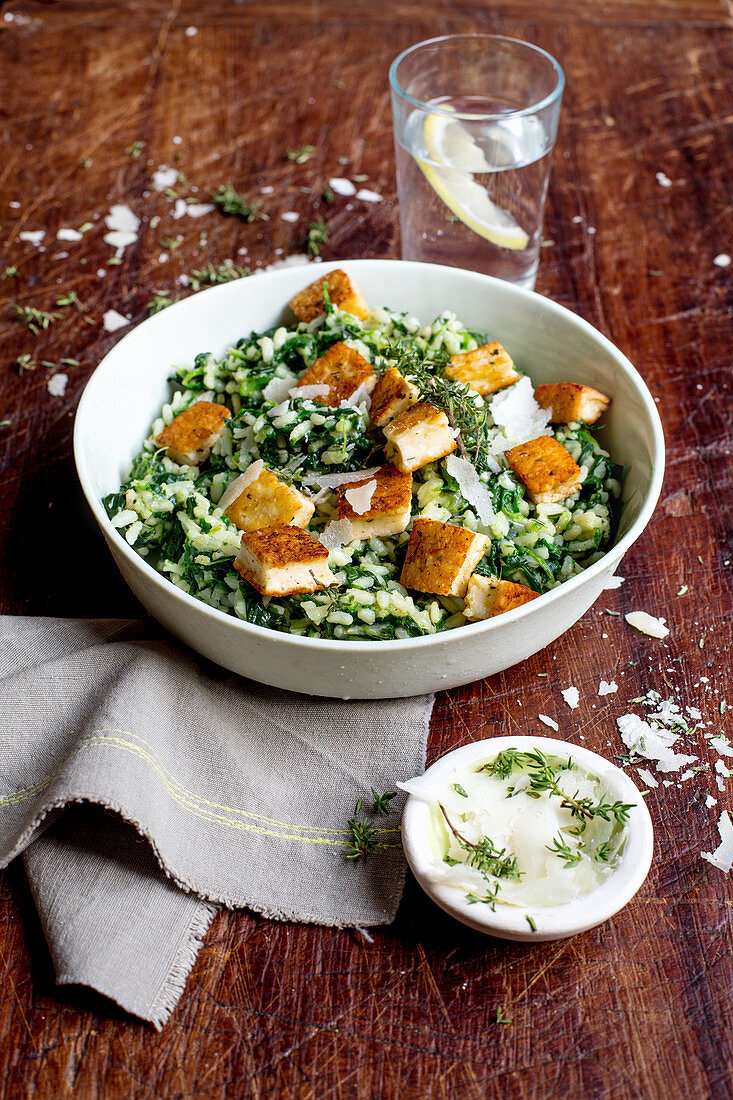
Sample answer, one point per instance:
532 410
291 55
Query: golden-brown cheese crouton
418 436
342 290
269 502
391 396
388 512
342 369
487 596
283 561
440 558
571 401
485 370
188 438
546 469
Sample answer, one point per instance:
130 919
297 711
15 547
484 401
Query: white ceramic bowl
129 386
556 922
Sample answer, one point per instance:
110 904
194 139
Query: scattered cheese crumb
33 236
164 177
648 778
191 31
614 582
663 181
342 186
548 721
112 321
69 235
722 260
571 696
607 687
652 742
721 746
722 857
123 225
721 769
191 209
290 216
710 801
647 624
368 196
56 384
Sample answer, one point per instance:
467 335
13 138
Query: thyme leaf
300 156
35 319
381 802
362 835
317 236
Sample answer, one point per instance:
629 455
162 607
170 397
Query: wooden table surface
640 205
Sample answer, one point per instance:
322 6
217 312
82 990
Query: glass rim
469 116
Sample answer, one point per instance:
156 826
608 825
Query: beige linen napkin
241 792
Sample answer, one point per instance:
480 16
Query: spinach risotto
460 433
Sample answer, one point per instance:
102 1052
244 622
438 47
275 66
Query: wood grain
638 1008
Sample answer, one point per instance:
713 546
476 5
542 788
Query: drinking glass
475 122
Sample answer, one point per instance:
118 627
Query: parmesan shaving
237 487
360 497
571 696
112 321
56 386
336 534
607 688
613 582
332 481
652 743
360 396
516 411
648 778
721 746
722 857
342 186
647 624
164 178
548 721
307 393
277 389
471 487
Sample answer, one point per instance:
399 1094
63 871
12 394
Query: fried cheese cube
418 436
189 437
487 596
342 290
571 401
391 396
269 502
485 370
388 511
546 468
342 369
441 558
283 561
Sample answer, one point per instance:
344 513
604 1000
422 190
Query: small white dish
509 922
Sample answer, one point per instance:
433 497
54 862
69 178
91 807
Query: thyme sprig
231 203
362 835
214 274
382 801
465 409
483 854
543 777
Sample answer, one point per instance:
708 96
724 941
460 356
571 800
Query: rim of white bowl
614 554
553 922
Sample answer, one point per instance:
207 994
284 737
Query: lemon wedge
455 156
